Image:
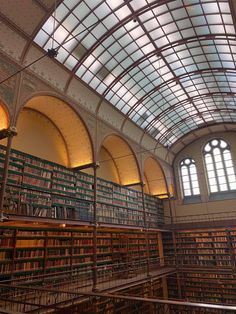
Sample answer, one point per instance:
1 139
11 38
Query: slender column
93 165
95 272
179 286
145 230
170 208
231 249
176 260
9 133
160 248
165 294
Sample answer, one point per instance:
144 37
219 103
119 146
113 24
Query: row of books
205 287
32 173
39 250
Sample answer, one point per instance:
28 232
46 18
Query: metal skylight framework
167 65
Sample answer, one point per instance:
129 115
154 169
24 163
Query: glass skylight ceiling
168 65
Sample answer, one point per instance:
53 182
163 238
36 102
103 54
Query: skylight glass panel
141 67
123 12
41 38
137 4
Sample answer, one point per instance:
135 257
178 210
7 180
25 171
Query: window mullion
225 171
215 170
190 180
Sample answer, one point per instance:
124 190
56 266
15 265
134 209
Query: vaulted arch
155 182
4 117
56 131
123 165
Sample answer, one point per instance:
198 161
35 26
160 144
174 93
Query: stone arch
61 132
116 152
4 117
154 178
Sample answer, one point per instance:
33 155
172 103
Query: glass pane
230 170
195 184
213 188
210 167
208 159
207 147
211 174
216 151
227 155
214 143
186 185
232 178
106 30
184 170
232 186
217 157
212 181
196 191
228 163
223 187
222 180
219 165
187 161
193 169
220 172
193 177
223 144
187 193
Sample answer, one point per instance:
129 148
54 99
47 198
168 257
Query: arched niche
49 128
154 179
4 117
118 162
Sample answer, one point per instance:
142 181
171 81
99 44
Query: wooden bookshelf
201 286
169 247
203 248
205 259
40 188
30 251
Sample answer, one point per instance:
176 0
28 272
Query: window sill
220 196
192 199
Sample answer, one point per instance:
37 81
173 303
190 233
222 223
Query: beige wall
206 208
107 169
38 136
3 118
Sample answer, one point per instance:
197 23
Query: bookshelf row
201 248
37 187
207 287
29 251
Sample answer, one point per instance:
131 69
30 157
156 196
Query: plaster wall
207 207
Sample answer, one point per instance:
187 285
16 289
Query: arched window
189 177
219 166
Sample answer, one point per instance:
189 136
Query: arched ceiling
154 177
168 65
70 125
4 119
123 158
